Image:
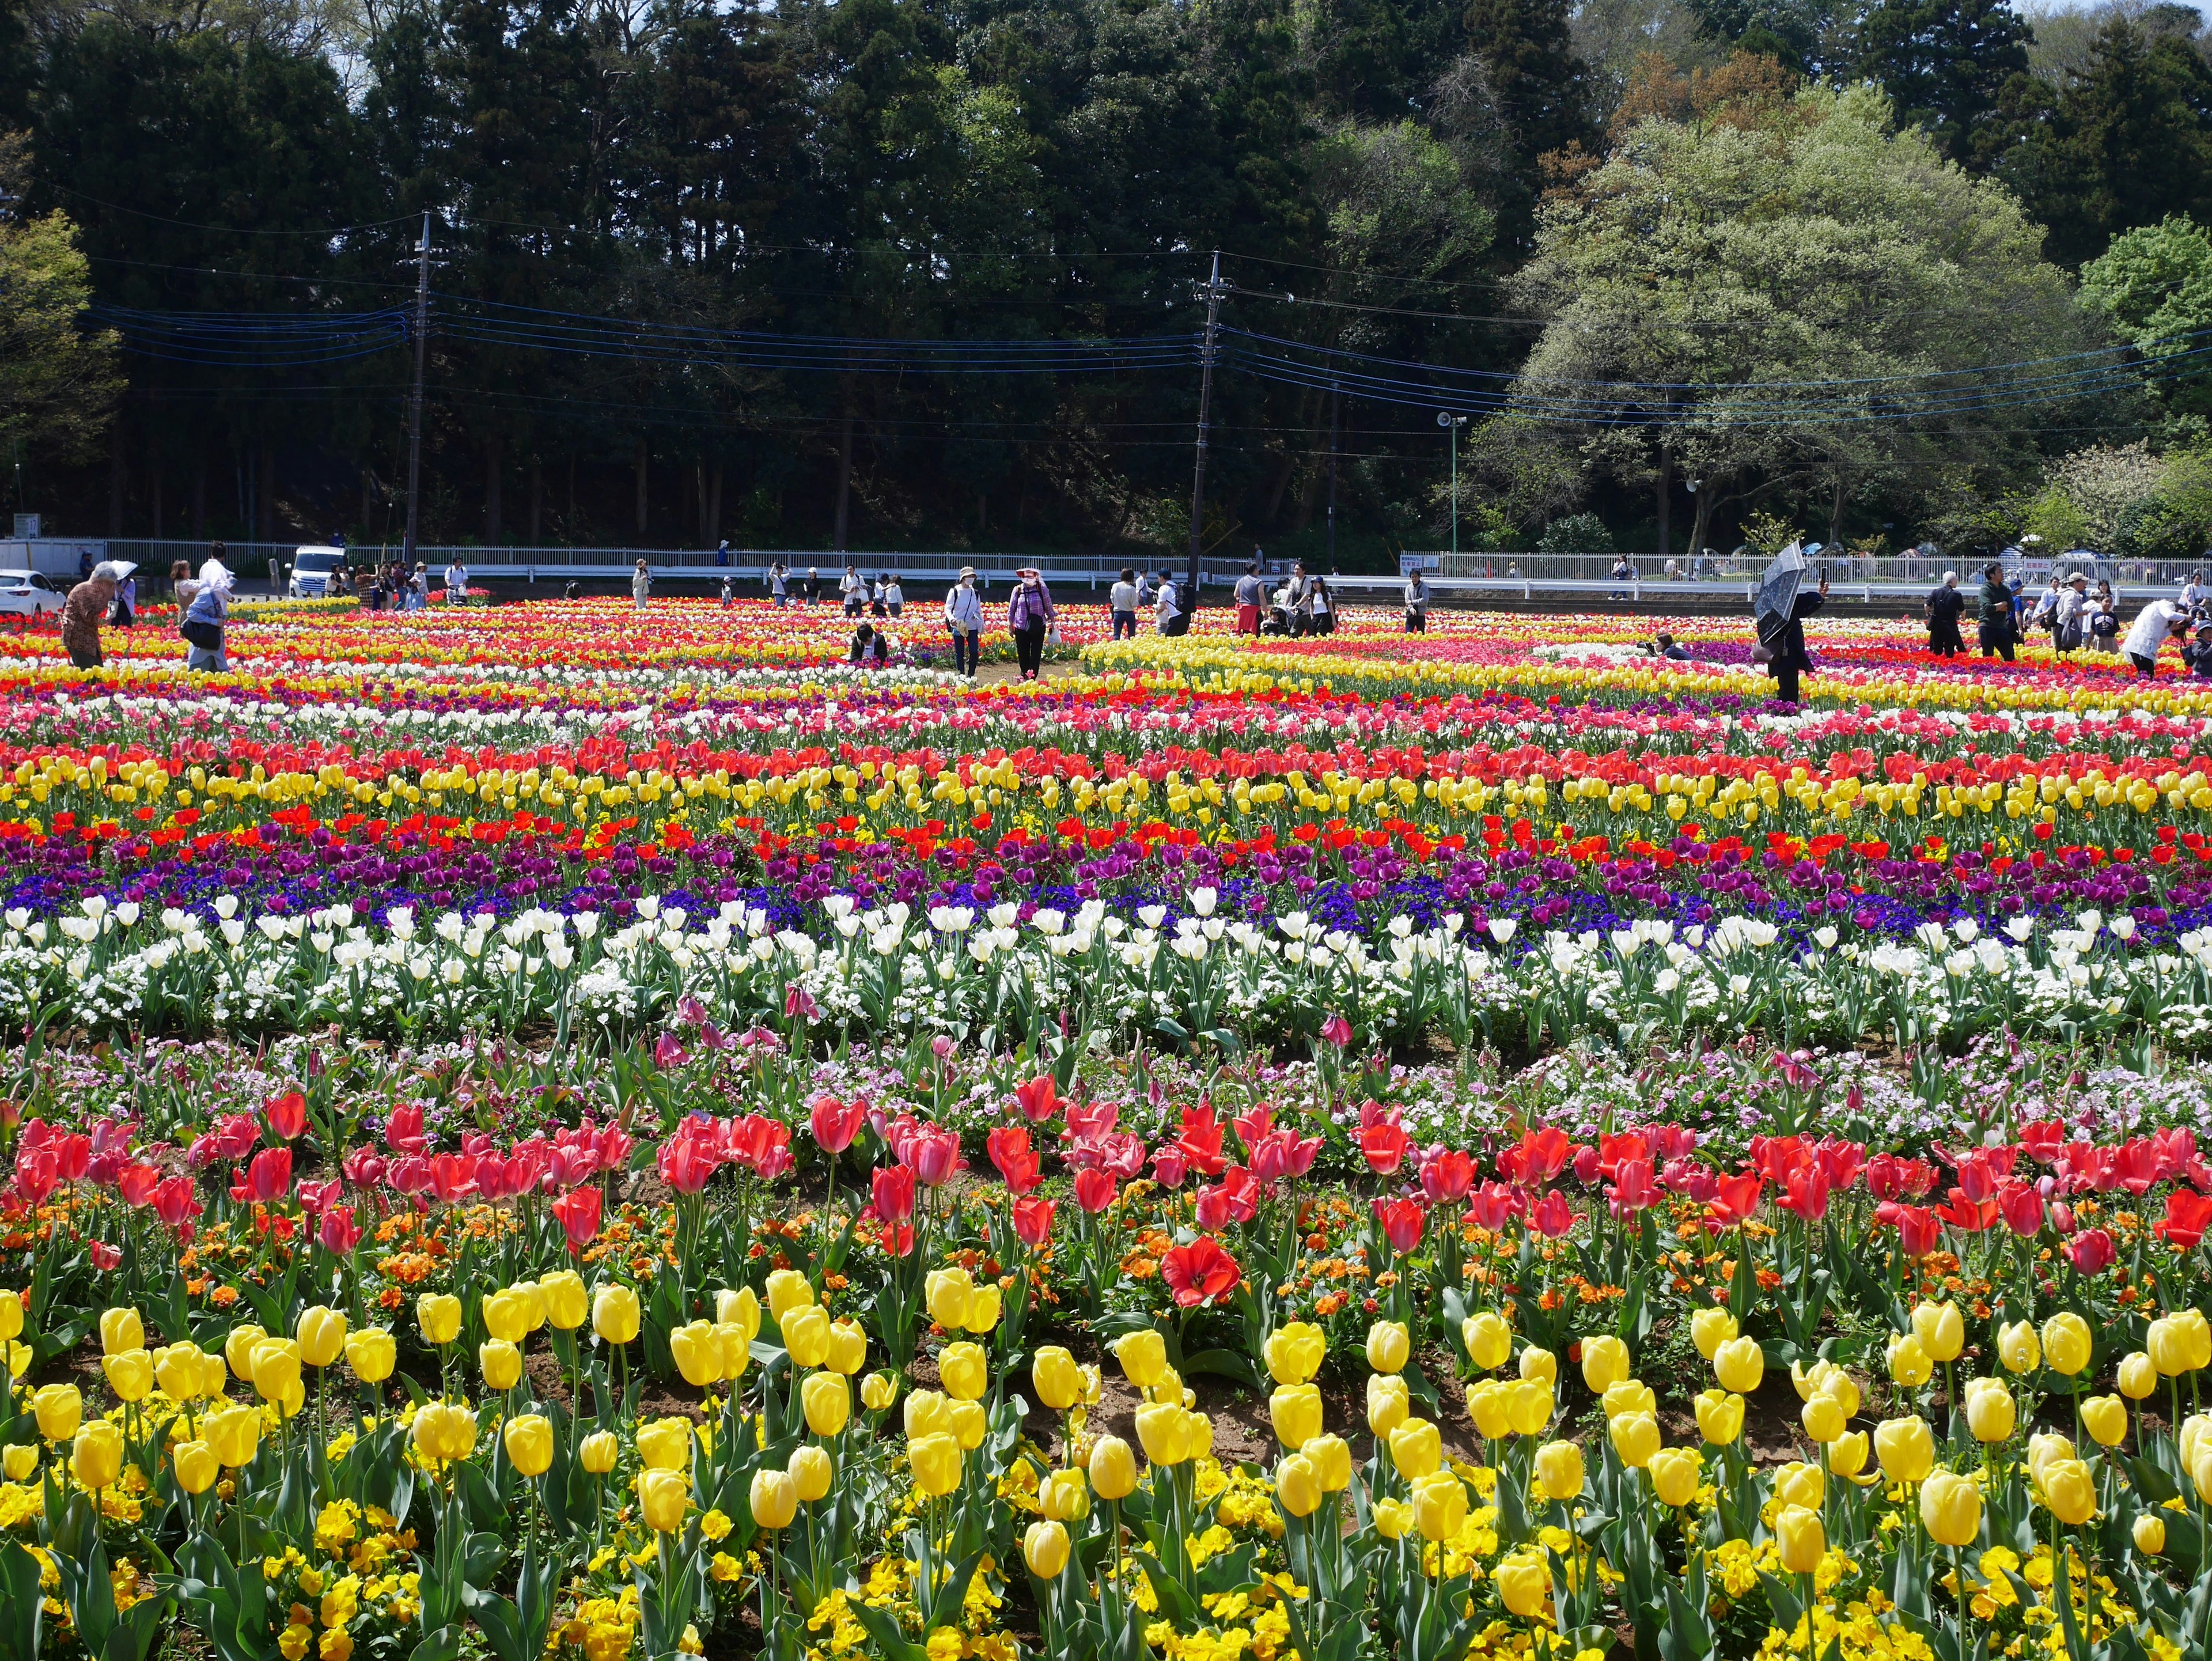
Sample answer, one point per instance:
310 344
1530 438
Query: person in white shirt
854 589
964 615
1121 599
2193 591
1168 615
640 585
779 587
2156 623
456 583
894 596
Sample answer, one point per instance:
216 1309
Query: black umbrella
1778 593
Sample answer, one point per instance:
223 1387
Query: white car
29 595
318 573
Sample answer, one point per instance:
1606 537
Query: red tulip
175 1202
2021 1207
287 1114
364 1167
1038 1099
1492 1205
892 1193
1016 1161
137 1183
1384 1146
2187 1215
836 1124
403 1130
2092 1251
1200 1141
1200 1272
1446 1176
1633 1190
104 1257
452 1175
339 1232
1170 1164
933 1154
1541 1156
1889 1178
1917 1231
686 1163
1401 1221
270 1176
577 1211
1033 1220
1234 1199
1337 1030
1253 1124
1550 1216
1806 1194
1094 1191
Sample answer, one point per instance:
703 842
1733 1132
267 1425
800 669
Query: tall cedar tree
1948 67
1541 88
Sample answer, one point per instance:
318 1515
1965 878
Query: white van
318 572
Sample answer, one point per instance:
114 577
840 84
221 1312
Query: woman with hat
964 615
83 612
1029 615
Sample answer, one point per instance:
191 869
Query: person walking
83 612
126 599
1417 604
729 594
640 585
1791 657
2156 623
1623 571
893 595
722 552
1945 607
964 615
2073 614
1121 601
1168 615
2105 621
1995 634
779 587
1250 591
1030 615
814 584
418 588
456 583
1320 605
854 589
206 618
879 597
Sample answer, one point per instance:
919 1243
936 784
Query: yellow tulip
1490 1405
372 1353
1674 1474
1720 1416
1055 1378
96 1457
500 1361
598 1452
1909 1365
1800 1483
1628 1395
2066 1343
1991 1414
2150 1533
1295 1412
1164 1430
805 1332
616 1315
969 1423
1388 1400
1559 1469
928 1413
568 1305
1739 1365
1524 1584
1711 1328
18 1459
2018 1347
811 1470
533 1305
129 1374
1822 1415
1605 1361
965 1372
238 1349
2069 1491
983 1307
1144 1357
506 1316
946 1292
2044 1448
120 1329
1416 1449
664 1499
936 1462
739 1308
195 1466
442 1430
1331 1459
11 1320
665 1444
1528 1402
1635 1438
697 1352
437 1315
179 1369
1800 1541
1298 1485
1112 1469
1439 1504
1045 1548
878 1390
1064 1496
827 1400
774 1499
234 1433
1541 1364
848 1347
1940 1330
529 1440
1390 1346
1489 1340
214 1377
2105 1418
58 1410
1847 1454
1907 1448
2136 1376
1950 1509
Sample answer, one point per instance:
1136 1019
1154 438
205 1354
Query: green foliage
1948 66
58 380
2153 284
1577 534
2124 500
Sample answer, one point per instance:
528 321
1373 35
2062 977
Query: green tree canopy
2155 286
58 379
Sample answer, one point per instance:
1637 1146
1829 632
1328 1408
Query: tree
58 380
2127 141
1783 295
1541 87
2155 286
1946 65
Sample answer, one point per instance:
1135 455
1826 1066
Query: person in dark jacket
1791 657
1996 633
1945 607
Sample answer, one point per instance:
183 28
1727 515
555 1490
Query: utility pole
1451 424
1205 409
415 400
1333 444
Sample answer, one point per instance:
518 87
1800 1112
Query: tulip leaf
1222 1364
891 1644
1175 1603
21 1610
443 1645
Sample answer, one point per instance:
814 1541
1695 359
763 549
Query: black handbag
207 636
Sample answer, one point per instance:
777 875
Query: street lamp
1451 424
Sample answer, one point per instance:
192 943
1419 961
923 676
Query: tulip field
556 1133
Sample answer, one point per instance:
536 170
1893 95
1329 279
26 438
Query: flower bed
604 1134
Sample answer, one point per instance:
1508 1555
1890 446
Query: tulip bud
1294 1351
827 1400
1674 1473
1416 1449
1390 1346
1439 1504
1045 1548
1950 1509
2138 1377
1064 1496
597 1452
96 1457
528 1439
1144 1357
2150 1533
195 1466
1910 1366
2066 1343
1054 1375
1739 1365
1940 1330
129 1374
1528 1403
2105 1418
1628 1395
810 1471
665 1444
567 1304
787 1289
1720 1416
1489 1340
1823 1418
935 1460
663 1499
615 1314
1991 1414
1907 1448
2068 1491
371 1353
1605 1361
878 1390
238 1348
500 1361
740 1308
1847 1454
1164 1430
1710 1329
2018 1347
1112 1469
1393 1519
1387 1403
18 1459
1331 1459
1559 1469
1635 1438
965 1371
1541 1364
120 1329
947 1292
848 1347
437 1315
1490 1405
697 1353
1800 1541
1524 1583
1799 1483
983 1307
1294 1411
805 1332
506 1316
1298 1485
